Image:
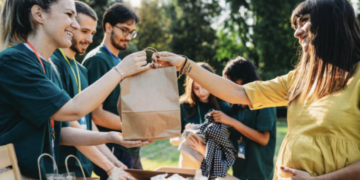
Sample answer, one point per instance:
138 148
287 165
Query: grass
162 153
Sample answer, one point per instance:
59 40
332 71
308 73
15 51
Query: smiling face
201 93
60 23
83 37
302 31
121 34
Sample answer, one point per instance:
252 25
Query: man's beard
116 45
74 47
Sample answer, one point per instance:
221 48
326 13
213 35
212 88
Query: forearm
351 172
224 88
261 138
106 119
80 105
95 156
79 137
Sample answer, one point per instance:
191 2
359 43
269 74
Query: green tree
191 29
153 27
265 27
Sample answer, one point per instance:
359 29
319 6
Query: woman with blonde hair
33 107
322 93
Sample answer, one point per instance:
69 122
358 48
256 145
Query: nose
75 24
89 38
128 36
299 33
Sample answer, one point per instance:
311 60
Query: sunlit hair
16 22
83 8
189 99
333 53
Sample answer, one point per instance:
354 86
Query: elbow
264 142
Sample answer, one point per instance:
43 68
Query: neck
107 43
42 44
69 52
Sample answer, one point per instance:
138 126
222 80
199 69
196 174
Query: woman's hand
220 117
197 145
164 59
133 64
117 138
296 174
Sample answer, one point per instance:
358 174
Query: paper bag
149 105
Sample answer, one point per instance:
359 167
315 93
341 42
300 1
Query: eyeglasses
126 32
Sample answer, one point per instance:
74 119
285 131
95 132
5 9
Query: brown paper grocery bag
149 105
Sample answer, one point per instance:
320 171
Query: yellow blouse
323 135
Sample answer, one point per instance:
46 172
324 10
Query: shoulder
82 68
94 56
18 56
56 58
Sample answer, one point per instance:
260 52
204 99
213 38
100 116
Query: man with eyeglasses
118 25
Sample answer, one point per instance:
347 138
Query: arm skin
259 137
351 172
81 104
79 137
234 94
106 119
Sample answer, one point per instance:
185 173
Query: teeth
70 34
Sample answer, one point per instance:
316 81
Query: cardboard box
184 172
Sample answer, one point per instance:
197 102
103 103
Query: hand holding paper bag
149 105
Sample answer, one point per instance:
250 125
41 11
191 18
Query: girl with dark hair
322 93
254 132
194 104
33 107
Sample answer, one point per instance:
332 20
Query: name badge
241 148
83 123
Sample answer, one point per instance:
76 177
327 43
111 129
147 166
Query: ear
108 28
38 14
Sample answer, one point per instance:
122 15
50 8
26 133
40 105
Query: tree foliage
266 25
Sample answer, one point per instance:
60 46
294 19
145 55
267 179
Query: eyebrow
127 28
70 10
87 29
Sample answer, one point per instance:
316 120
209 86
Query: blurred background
214 31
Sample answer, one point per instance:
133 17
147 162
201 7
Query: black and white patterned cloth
220 152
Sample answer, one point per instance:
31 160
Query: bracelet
107 172
119 72
181 72
186 59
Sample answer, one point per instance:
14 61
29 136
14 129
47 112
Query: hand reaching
117 138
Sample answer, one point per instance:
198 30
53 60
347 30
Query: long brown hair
333 53
16 21
189 100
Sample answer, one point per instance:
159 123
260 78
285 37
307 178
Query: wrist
109 170
119 72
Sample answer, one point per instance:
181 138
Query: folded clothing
220 152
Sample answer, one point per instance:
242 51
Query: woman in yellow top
322 93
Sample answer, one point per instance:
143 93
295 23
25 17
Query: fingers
287 170
214 112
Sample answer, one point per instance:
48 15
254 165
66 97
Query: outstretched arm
79 137
95 94
224 89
